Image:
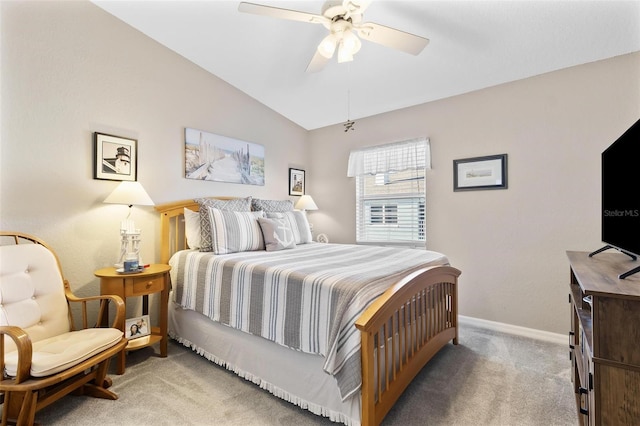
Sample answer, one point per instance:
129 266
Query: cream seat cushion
60 352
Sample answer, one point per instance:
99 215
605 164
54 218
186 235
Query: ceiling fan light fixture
328 46
344 54
349 46
351 42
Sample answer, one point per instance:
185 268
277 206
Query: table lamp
306 203
129 193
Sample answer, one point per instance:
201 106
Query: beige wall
510 244
69 69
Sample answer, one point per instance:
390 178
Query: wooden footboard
401 331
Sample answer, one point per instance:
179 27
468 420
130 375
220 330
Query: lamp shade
130 193
306 203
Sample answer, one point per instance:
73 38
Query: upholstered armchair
46 353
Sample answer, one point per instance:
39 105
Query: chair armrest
118 303
24 348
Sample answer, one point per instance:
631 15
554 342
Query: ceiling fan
342 19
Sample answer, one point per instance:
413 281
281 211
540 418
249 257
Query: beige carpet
489 379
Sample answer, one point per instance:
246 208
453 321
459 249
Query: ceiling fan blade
276 12
392 37
356 6
318 62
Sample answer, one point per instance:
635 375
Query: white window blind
390 192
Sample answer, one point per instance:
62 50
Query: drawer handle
149 284
583 391
571 340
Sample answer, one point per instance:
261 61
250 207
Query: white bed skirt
291 375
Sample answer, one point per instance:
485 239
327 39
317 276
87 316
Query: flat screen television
621 195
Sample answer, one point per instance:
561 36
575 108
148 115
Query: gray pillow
234 205
271 206
277 234
298 222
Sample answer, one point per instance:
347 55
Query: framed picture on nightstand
137 327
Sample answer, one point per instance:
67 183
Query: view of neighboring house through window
390 193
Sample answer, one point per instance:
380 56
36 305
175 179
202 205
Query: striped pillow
233 232
235 204
299 224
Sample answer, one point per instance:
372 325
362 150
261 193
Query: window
390 193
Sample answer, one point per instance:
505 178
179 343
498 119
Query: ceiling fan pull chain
349 124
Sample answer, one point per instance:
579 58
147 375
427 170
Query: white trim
532 333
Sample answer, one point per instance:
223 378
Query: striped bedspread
307 298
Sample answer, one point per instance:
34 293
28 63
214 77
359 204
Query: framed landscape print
296 182
222 159
115 157
478 173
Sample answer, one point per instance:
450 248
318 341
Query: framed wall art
222 159
477 173
296 182
115 157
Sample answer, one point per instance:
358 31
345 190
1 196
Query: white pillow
192 228
299 224
233 232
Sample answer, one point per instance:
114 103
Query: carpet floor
490 378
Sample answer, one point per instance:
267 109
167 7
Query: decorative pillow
299 224
192 228
236 204
271 206
232 232
277 234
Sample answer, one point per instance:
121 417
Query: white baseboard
547 336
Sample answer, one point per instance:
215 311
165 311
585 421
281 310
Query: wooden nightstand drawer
145 285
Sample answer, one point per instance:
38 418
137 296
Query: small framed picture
478 173
137 327
115 158
296 182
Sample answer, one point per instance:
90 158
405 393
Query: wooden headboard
172 235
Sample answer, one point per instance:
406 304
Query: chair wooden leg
98 392
97 388
19 408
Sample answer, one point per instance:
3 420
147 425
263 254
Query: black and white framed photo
116 158
137 327
296 182
477 173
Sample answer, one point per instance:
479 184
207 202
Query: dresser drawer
142 286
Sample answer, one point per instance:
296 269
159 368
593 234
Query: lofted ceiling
473 45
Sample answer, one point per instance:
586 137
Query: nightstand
153 279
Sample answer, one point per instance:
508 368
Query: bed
355 365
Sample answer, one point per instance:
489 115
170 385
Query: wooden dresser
605 338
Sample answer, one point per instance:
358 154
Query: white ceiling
473 45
